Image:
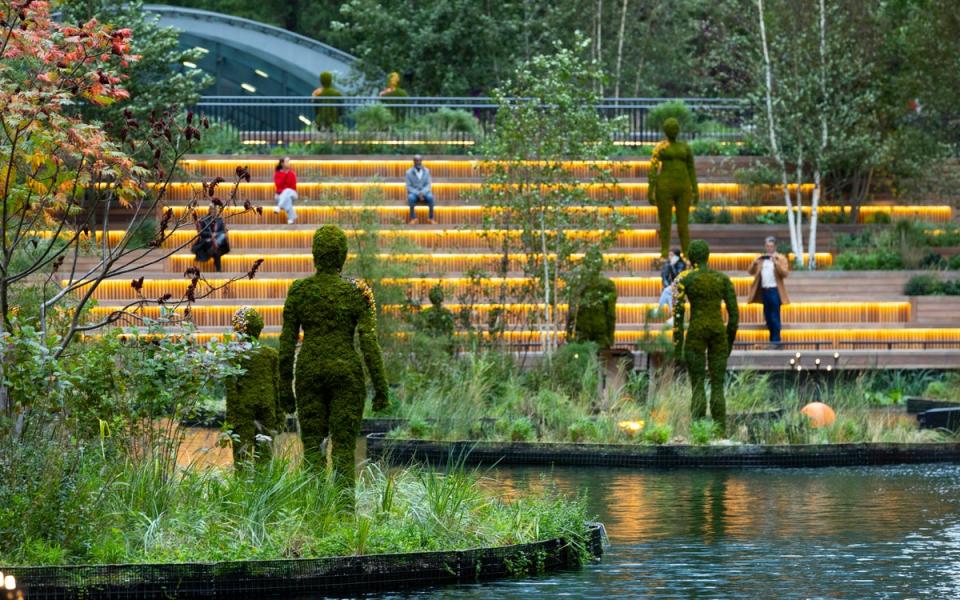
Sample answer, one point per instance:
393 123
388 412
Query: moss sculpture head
247 321
329 249
699 253
393 80
436 295
671 128
326 79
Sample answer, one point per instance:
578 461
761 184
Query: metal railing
279 120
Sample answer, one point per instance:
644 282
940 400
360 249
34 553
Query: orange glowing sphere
820 414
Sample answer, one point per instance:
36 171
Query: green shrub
657 434
702 213
877 218
675 109
724 217
771 217
449 120
877 260
582 430
702 431
954 262
923 285
418 428
373 117
707 147
521 430
932 260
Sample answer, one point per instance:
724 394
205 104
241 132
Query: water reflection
776 533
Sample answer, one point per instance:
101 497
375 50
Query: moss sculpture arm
370 347
288 349
733 312
679 312
692 171
654 173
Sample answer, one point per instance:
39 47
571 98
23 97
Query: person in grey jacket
419 188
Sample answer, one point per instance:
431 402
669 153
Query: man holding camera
769 270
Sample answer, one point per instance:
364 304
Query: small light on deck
829 367
9 582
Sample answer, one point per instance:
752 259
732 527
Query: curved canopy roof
250 58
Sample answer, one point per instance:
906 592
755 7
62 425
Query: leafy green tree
533 205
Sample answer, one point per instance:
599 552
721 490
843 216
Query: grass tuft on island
487 397
83 508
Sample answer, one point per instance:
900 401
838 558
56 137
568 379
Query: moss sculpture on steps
707 344
325 96
437 320
595 310
672 184
252 397
330 387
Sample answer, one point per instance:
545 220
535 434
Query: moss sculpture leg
248 419
717 354
665 217
694 353
336 412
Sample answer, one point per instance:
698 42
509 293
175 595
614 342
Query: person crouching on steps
285 180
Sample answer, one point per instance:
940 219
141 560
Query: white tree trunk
549 342
623 25
817 173
772 127
799 208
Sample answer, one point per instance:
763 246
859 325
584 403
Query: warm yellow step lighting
627 313
314 168
462 262
262 192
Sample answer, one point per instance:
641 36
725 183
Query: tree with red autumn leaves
65 184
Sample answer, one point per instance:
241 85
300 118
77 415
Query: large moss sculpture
325 96
672 185
252 397
594 315
707 343
330 388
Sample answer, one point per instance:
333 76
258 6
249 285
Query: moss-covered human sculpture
673 184
707 344
393 89
330 388
252 397
436 320
594 310
325 96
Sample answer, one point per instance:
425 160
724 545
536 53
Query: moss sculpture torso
252 403
330 388
596 316
672 184
706 345
327 116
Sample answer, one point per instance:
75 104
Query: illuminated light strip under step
463 262
311 168
261 192
473 215
265 289
627 313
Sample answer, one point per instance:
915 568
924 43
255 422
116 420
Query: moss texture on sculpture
252 397
707 344
330 387
594 314
672 185
327 94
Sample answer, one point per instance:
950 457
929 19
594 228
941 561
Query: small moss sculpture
252 397
330 387
672 184
326 94
436 321
595 312
707 345
393 89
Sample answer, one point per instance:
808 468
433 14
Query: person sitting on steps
419 188
285 182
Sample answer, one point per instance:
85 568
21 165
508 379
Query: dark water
819 533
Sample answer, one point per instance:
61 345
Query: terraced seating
830 309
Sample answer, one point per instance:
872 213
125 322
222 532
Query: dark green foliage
868 261
436 321
929 285
707 344
954 262
572 369
675 109
373 117
595 314
672 184
253 396
327 116
330 388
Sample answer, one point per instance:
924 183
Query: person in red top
285 181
